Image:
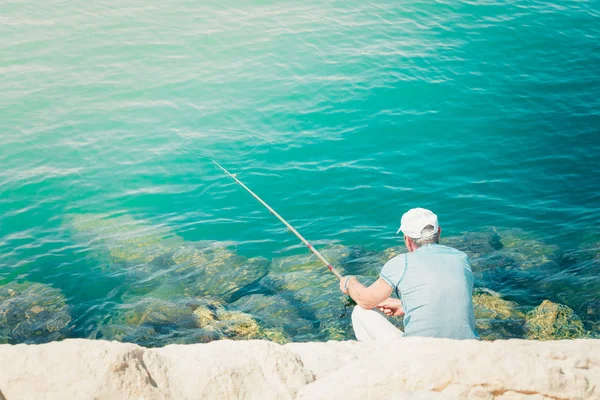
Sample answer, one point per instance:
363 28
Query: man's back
435 284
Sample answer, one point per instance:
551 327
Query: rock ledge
409 368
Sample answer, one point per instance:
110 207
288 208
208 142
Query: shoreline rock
415 368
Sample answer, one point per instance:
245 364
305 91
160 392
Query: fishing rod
290 227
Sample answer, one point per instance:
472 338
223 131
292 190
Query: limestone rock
465 370
236 370
323 359
76 369
407 368
553 321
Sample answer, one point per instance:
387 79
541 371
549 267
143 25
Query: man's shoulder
437 250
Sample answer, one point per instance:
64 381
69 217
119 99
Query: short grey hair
428 236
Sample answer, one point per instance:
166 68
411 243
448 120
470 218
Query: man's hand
343 285
366 297
391 307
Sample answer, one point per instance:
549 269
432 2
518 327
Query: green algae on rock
495 317
275 312
32 313
552 321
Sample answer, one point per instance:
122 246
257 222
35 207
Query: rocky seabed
408 368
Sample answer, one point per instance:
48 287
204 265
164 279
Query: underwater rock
212 269
156 322
592 316
304 280
495 317
525 250
394 251
551 321
32 313
368 264
475 244
592 310
154 255
494 250
150 321
238 325
275 313
125 239
336 254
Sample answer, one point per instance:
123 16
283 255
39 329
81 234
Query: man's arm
366 297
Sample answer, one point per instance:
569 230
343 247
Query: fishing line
225 144
287 224
349 301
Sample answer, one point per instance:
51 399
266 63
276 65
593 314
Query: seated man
434 283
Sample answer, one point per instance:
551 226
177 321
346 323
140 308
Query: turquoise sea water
342 115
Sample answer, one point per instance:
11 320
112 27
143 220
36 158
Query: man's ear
439 231
409 244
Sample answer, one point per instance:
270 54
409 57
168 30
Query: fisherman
434 285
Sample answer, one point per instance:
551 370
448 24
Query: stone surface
154 322
32 313
275 313
553 321
495 317
467 370
125 238
150 256
408 368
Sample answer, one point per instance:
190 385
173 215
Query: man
434 283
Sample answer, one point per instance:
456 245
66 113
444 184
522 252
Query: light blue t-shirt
435 284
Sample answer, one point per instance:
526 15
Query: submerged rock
155 322
495 317
526 251
392 252
304 280
475 244
126 240
493 251
32 313
152 256
368 264
213 269
592 316
275 313
551 321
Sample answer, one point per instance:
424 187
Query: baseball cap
414 220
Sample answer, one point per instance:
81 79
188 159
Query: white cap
415 219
